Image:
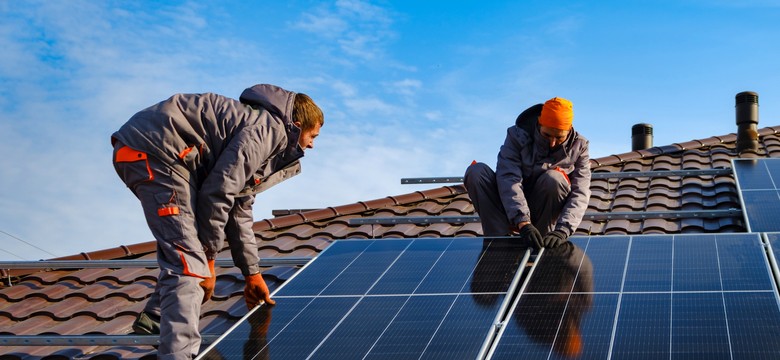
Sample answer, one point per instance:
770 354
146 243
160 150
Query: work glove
531 234
256 290
555 238
208 284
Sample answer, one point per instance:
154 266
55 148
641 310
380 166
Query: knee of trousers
478 174
552 183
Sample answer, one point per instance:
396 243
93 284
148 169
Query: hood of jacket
279 102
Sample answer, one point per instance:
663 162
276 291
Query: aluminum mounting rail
103 264
617 215
597 175
89 340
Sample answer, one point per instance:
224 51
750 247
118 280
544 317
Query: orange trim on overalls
186 269
184 152
565 176
128 154
168 211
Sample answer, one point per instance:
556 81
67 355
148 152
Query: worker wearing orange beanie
541 186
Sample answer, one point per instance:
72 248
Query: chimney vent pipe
747 121
641 136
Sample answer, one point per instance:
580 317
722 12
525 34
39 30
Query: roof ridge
666 149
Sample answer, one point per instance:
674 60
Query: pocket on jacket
132 166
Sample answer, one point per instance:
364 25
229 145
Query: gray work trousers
167 203
545 200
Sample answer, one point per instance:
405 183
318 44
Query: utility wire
1 231
8 252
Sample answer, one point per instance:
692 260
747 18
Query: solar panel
385 299
758 181
646 297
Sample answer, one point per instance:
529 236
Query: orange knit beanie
557 113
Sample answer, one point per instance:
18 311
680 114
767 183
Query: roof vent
641 137
747 121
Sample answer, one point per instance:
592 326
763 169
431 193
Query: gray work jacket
229 151
521 160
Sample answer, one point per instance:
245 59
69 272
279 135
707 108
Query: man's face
306 140
554 136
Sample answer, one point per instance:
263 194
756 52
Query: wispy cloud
357 29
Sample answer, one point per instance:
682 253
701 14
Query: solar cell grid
758 181
661 296
420 298
680 296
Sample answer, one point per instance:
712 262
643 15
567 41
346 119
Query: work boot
146 324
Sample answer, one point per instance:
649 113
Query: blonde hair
306 112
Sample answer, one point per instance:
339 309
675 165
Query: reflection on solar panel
758 181
393 299
608 297
653 297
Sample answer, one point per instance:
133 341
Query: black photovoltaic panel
647 297
383 299
758 181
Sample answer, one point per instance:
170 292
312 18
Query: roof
106 301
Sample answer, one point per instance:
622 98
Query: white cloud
432 115
351 29
369 106
406 87
322 23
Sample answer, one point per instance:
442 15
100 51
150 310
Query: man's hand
208 284
554 239
256 290
529 233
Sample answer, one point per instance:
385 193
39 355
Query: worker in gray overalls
196 162
541 187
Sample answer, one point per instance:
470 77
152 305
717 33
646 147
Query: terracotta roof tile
470 230
33 325
403 230
314 215
23 310
622 226
664 226
438 230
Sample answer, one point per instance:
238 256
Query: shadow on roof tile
335 229
34 325
664 226
302 231
470 230
622 226
23 309
438 230
403 230
32 286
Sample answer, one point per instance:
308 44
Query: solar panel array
758 181
384 299
649 296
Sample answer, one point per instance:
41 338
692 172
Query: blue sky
409 89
